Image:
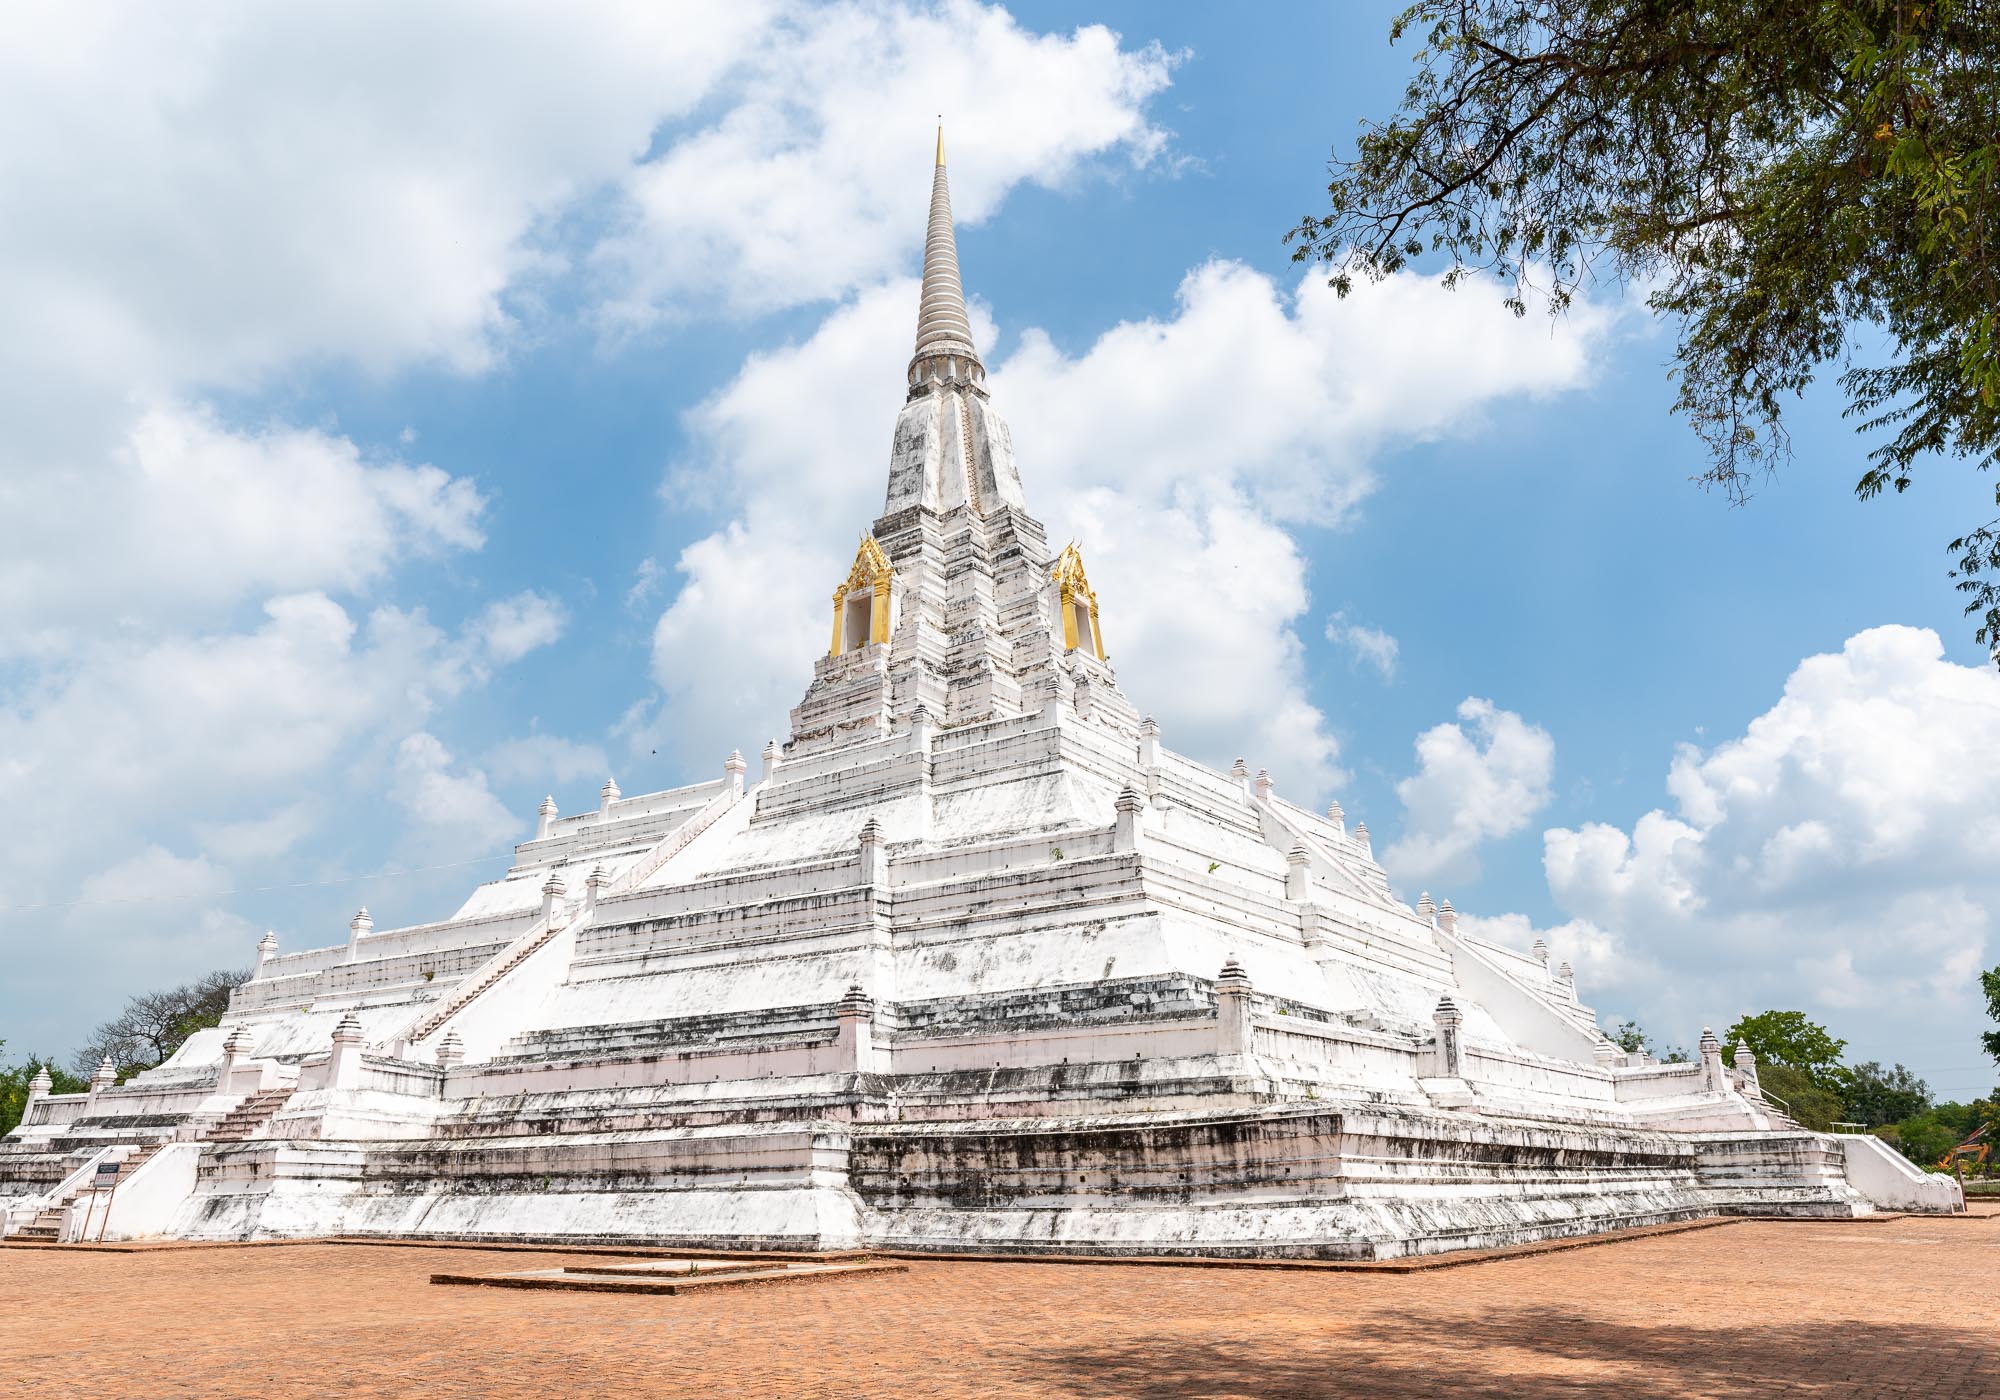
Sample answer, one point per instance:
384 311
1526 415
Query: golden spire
940 159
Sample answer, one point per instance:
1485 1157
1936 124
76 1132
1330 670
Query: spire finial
944 333
940 158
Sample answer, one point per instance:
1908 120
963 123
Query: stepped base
1350 1183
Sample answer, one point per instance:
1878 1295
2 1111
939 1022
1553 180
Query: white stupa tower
975 961
953 602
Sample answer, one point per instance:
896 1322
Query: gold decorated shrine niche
861 603
1078 602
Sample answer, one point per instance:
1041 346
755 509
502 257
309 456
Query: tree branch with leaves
1790 180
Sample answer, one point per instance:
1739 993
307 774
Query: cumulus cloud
189 518
1177 452
451 808
794 194
1365 645
509 628
1477 780
546 758
1841 856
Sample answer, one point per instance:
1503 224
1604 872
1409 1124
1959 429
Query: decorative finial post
1337 815
1232 1009
105 1077
1262 787
545 817
921 730
1447 1018
1240 770
594 886
553 890
358 928
1298 873
343 1069
1448 918
874 859
1426 910
1746 1068
607 795
1361 838
38 1089
733 769
1712 1077
267 948
855 1040
774 754
1125 831
1541 952
452 1052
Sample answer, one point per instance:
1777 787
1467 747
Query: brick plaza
1895 1307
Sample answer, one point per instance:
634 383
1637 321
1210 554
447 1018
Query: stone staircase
539 934
47 1226
241 1123
238 1125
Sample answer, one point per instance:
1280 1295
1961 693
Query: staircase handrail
70 1184
677 840
543 929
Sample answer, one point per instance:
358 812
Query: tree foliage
154 1024
1875 1096
1989 983
1789 179
1810 1103
1788 1038
1925 1137
1631 1037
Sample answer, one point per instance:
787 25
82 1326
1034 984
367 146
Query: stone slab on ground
671 1277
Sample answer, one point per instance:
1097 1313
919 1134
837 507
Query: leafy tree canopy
1631 1037
1788 1038
1989 983
1875 1096
153 1025
1810 1103
1787 177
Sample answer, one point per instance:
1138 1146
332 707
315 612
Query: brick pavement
1891 1308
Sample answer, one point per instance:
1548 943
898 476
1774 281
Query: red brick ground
1890 1308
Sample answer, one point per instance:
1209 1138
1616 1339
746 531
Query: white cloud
810 184
1842 857
452 810
544 759
273 184
1174 451
1364 644
510 628
189 518
1476 781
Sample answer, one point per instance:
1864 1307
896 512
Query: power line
257 889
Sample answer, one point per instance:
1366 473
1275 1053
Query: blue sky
399 440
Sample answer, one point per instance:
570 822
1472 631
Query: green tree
1876 1096
1788 1038
14 1081
1803 1097
1631 1037
1793 180
154 1024
1926 1137
1989 982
